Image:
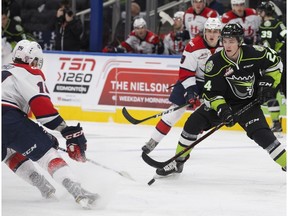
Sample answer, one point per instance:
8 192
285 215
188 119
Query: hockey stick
132 120
160 165
121 173
166 17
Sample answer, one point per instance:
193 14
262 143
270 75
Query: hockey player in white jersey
176 40
247 17
192 65
24 89
196 16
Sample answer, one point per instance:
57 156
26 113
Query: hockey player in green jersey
234 77
272 33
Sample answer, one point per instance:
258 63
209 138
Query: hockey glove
265 89
224 112
75 142
192 97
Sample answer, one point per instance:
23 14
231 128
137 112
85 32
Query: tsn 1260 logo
75 75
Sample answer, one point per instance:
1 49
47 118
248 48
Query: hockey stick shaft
158 164
132 120
122 173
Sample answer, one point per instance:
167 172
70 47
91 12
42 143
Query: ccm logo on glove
74 135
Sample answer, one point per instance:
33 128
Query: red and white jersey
134 44
250 21
172 46
24 88
194 23
193 61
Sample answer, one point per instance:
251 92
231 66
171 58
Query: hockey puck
151 182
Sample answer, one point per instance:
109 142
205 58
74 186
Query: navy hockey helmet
231 30
267 7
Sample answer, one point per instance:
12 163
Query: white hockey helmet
179 14
28 52
193 1
237 2
213 23
139 23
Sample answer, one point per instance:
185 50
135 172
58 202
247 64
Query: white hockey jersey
148 45
24 88
250 22
173 46
193 60
194 23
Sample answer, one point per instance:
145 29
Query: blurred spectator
247 17
176 40
140 40
12 30
68 29
38 18
119 35
196 16
216 5
14 8
272 33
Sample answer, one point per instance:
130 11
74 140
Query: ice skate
173 167
149 146
46 189
82 197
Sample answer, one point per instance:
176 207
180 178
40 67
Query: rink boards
95 86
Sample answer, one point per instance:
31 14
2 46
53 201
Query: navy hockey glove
265 89
224 112
192 97
75 142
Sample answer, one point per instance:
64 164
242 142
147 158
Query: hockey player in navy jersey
24 89
234 77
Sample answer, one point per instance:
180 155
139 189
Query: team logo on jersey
267 23
228 71
209 66
18 28
242 87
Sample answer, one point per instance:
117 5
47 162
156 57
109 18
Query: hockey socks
277 153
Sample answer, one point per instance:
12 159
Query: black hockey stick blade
160 165
132 120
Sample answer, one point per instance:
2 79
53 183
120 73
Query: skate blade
84 203
278 134
51 197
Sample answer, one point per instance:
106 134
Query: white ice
226 175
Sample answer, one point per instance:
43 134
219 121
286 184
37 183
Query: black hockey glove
192 97
265 89
75 142
224 112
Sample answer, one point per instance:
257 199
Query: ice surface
226 175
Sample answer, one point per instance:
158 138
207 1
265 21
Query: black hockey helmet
231 30
268 7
